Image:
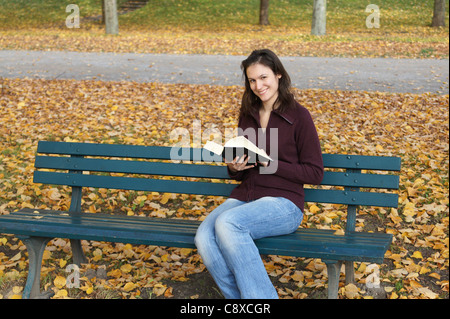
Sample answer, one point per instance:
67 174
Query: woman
263 204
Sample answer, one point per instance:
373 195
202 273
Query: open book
238 146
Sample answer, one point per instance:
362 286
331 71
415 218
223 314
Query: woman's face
264 83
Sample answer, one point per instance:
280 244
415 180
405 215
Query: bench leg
35 247
77 252
334 271
349 272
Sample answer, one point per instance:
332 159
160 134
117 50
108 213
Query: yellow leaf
90 290
314 209
362 268
93 196
351 291
185 251
126 268
17 290
97 254
62 263
435 275
54 194
16 257
427 293
159 289
417 254
379 148
129 286
393 296
297 276
59 282
424 270
414 284
165 198
168 292
141 198
61 293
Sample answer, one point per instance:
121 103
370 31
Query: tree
319 19
438 14
111 19
264 12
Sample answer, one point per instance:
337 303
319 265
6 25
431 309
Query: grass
227 27
343 16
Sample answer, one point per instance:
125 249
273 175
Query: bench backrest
135 167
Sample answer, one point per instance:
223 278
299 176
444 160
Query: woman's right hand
240 164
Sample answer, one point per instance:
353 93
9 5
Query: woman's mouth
262 92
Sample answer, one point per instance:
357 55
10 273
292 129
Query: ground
412 126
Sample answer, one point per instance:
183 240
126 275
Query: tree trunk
264 12
103 11
319 19
438 14
111 19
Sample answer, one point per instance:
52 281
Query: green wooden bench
90 165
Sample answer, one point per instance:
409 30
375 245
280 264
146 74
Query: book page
242 141
213 147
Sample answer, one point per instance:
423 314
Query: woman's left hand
240 164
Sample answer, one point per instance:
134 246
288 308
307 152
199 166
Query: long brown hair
251 102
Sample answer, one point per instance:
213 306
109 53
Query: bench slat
384 163
137 184
132 167
163 152
206 188
351 198
360 180
314 243
198 170
112 150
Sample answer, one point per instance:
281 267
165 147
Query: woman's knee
201 238
227 225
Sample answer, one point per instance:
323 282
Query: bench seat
314 243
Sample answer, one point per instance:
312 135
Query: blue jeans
225 241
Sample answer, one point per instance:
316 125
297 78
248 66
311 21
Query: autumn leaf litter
414 127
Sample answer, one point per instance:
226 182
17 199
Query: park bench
350 180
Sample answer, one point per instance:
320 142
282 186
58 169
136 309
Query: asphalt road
360 74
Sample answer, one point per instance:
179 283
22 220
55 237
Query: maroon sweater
297 161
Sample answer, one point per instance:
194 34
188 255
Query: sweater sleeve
309 167
238 176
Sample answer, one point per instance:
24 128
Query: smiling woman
268 202
264 84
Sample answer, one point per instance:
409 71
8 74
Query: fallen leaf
129 286
59 282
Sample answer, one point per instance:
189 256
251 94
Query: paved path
368 74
